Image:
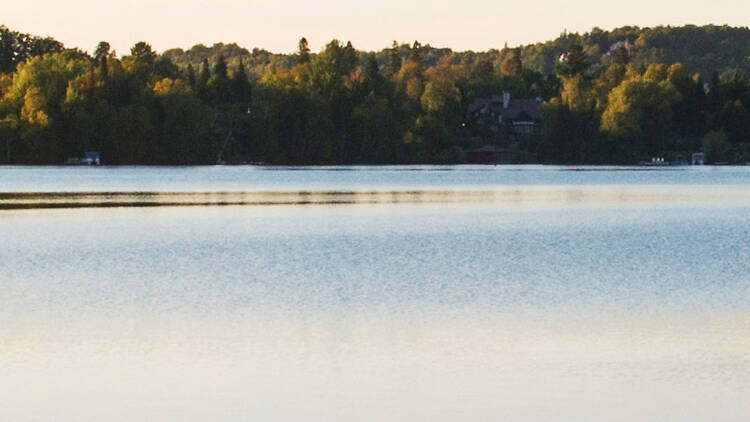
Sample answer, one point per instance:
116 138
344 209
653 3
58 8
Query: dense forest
617 96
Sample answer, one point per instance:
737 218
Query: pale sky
473 25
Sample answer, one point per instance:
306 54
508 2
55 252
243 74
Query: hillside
701 49
617 96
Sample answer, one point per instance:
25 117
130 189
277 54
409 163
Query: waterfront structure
90 158
502 114
491 154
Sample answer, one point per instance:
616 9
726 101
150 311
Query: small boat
90 158
655 162
680 161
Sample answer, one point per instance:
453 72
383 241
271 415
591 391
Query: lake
524 293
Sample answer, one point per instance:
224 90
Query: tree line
403 104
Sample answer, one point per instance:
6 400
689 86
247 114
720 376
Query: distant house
501 114
618 45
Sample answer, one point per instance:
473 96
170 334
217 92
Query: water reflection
539 195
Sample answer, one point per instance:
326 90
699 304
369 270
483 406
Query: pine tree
102 51
574 62
241 88
220 67
203 77
373 78
512 65
416 54
393 64
143 53
7 49
190 75
205 74
104 68
303 51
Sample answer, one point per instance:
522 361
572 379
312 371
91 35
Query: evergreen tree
164 68
303 51
393 64
39 46
143 53
511 65
219 89
240 85
201 87
190 75
574 62
482 71
373 78
102 51
220 67
104 67
7 50
415 55
205 74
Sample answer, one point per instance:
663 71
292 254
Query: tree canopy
607 97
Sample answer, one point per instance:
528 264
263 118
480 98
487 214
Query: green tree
441 95
240 85
7 50
143 54
716 147
190 76
205 73
734 119
40 46
331 67
220 67
303 51
512 65
9 132
393 63
415 56
373 80
640 110
621 56
202 83
574 62
575 93
218 84
184 127
102 51
16 47
140 63
376 131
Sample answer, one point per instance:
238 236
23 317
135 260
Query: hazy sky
372 25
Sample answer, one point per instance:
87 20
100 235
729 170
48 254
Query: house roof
479 103
517 107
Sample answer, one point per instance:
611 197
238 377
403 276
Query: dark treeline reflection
607 97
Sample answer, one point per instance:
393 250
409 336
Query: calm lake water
375 293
